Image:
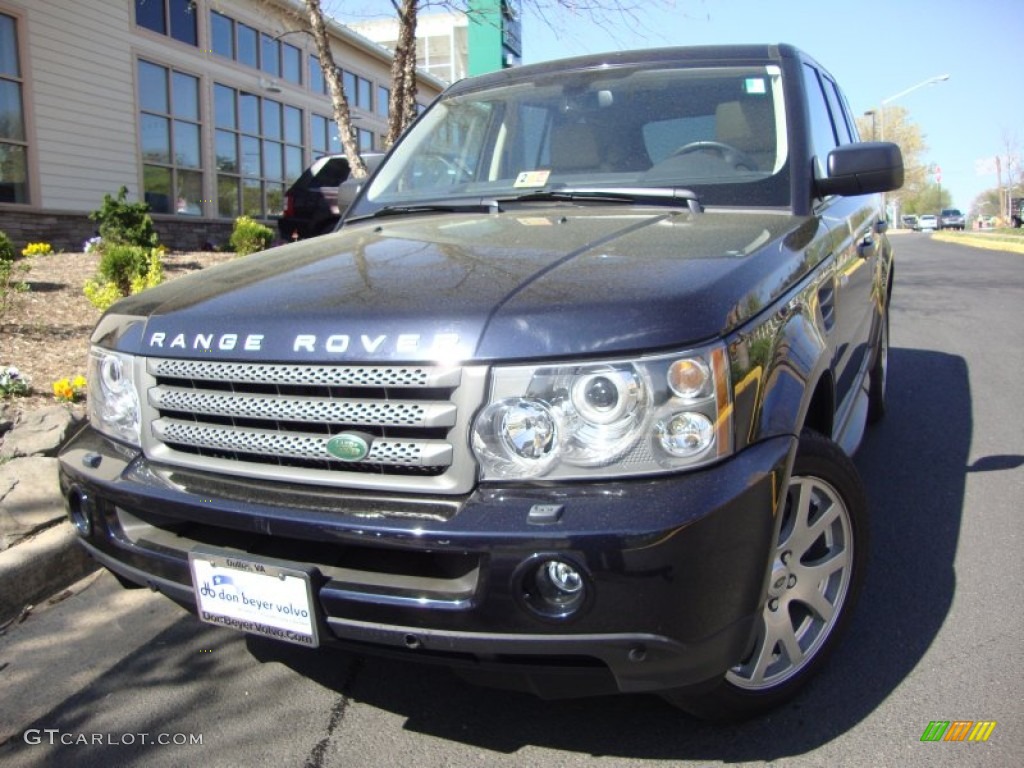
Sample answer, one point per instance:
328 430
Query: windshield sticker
755 85
532 179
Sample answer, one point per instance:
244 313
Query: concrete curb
40 567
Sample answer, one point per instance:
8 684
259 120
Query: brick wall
68 232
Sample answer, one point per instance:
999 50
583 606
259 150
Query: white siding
81 106
82 101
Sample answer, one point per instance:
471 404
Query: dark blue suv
566 402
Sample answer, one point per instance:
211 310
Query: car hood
535 283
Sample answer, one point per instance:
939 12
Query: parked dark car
568 400
315 202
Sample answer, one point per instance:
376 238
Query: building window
317 81
247 40
323 136
358 91
383 101
291 63
13 145
222 35
259 152
364 139
270 55
176 18
242 43
169 129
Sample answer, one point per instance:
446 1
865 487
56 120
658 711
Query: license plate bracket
258 595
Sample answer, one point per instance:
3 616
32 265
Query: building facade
205 109
454 45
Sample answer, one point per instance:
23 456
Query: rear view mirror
863 168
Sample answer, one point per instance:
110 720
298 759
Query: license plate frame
257 595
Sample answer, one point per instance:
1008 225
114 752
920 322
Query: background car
909 221
927 221
951 218
314 203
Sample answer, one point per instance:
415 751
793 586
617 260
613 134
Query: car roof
698 54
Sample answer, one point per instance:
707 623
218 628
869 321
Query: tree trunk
342 114
402 103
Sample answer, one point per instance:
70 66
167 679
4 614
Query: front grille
276 420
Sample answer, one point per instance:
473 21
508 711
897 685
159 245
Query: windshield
719 132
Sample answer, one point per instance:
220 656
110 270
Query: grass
1005 239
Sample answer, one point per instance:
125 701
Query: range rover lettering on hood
338 343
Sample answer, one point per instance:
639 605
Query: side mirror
863 168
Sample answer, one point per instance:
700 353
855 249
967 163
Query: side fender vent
827 305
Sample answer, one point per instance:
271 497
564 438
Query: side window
823 137
835 102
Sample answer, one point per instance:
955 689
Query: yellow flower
78 382
62 390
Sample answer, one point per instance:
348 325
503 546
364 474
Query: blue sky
874 48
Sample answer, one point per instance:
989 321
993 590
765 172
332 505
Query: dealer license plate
256 596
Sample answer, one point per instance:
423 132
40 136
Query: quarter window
169 129
823 137
13 145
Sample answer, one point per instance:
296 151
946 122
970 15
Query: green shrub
154 274
121 222
120 264
6 248
124 270
101 294
249 236
11 266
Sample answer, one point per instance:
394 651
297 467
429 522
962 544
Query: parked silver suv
951 218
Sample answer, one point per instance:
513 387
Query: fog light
79 507
567 580
555 588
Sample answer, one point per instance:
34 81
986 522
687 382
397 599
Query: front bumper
674 567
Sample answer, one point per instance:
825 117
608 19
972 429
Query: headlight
113 400
609 419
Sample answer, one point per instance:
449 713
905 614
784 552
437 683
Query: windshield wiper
460 205
613 195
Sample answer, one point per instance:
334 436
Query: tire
878 379
807 606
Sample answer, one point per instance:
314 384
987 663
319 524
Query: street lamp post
881 113
904 92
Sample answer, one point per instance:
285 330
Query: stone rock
30 498
7 414
41 432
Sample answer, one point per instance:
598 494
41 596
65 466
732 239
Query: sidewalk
39 556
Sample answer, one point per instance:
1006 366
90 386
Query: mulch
45 331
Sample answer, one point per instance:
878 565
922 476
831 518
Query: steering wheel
734 157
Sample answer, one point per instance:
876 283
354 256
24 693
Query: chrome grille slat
380 413
298 445
306 375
